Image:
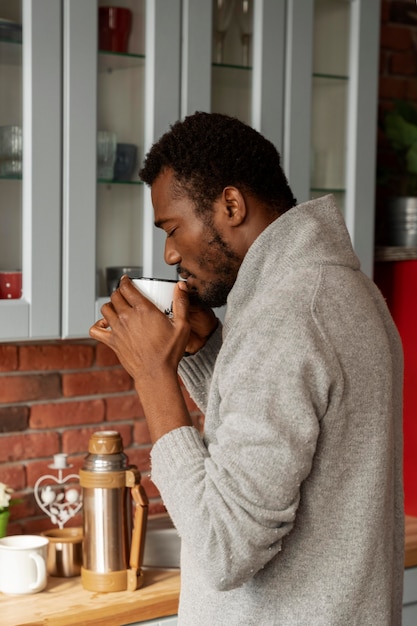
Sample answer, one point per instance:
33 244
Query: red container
397 281
10 285
114 25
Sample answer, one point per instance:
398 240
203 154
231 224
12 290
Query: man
290 506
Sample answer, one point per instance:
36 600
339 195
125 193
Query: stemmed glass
244 14
222 14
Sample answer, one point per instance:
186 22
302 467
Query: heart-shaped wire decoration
59 505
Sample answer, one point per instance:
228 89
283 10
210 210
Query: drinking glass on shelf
244 14
222 14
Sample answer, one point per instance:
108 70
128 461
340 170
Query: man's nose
171 255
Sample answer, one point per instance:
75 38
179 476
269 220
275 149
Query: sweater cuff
173 451
198 367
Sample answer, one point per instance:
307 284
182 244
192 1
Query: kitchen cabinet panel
308 84
30 222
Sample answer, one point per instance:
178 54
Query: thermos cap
105 442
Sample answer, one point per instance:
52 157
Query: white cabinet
309 83
30 221
334 149
311 88
59 223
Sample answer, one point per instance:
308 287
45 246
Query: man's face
199 249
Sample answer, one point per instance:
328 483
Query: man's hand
144 339
203 323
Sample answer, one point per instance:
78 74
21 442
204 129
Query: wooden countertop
410 541
66 603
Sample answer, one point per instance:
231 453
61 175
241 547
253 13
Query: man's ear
234 205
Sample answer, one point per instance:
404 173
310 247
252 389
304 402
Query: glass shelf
104 181
330 76
11 177
112 61
232 66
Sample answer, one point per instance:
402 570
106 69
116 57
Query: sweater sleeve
233 500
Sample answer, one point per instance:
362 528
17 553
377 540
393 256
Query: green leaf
411 159
400 133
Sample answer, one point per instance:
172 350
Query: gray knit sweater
290 508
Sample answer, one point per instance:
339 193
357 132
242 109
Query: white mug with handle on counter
23 564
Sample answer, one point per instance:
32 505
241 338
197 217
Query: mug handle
39 583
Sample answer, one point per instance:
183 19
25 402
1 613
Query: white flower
5 496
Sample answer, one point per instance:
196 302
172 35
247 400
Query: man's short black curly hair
209 151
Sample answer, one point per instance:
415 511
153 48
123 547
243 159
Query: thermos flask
112 552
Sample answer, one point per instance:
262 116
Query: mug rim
161 280
11 542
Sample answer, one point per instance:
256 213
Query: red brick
105 356
13 418
384 61
141 432
76 440
411 90
392 87
96 382
8 358
67 413
140 457
395 37
28 446
36 469
385 10
15 528
13 476
60 356
149 486
25 507
34 387
403 64
156 508
36 526
123 407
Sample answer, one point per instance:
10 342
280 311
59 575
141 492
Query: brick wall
397 81
53 396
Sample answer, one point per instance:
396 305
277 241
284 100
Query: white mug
23 564
160 291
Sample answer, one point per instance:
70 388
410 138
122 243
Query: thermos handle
139 527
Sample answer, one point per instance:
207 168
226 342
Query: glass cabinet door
30 119
233 61
120 94
332 58
331 38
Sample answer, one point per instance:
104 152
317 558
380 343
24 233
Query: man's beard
222 261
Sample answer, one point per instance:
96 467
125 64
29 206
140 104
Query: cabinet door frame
361 117
267 97
37 314
80 307
362 129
